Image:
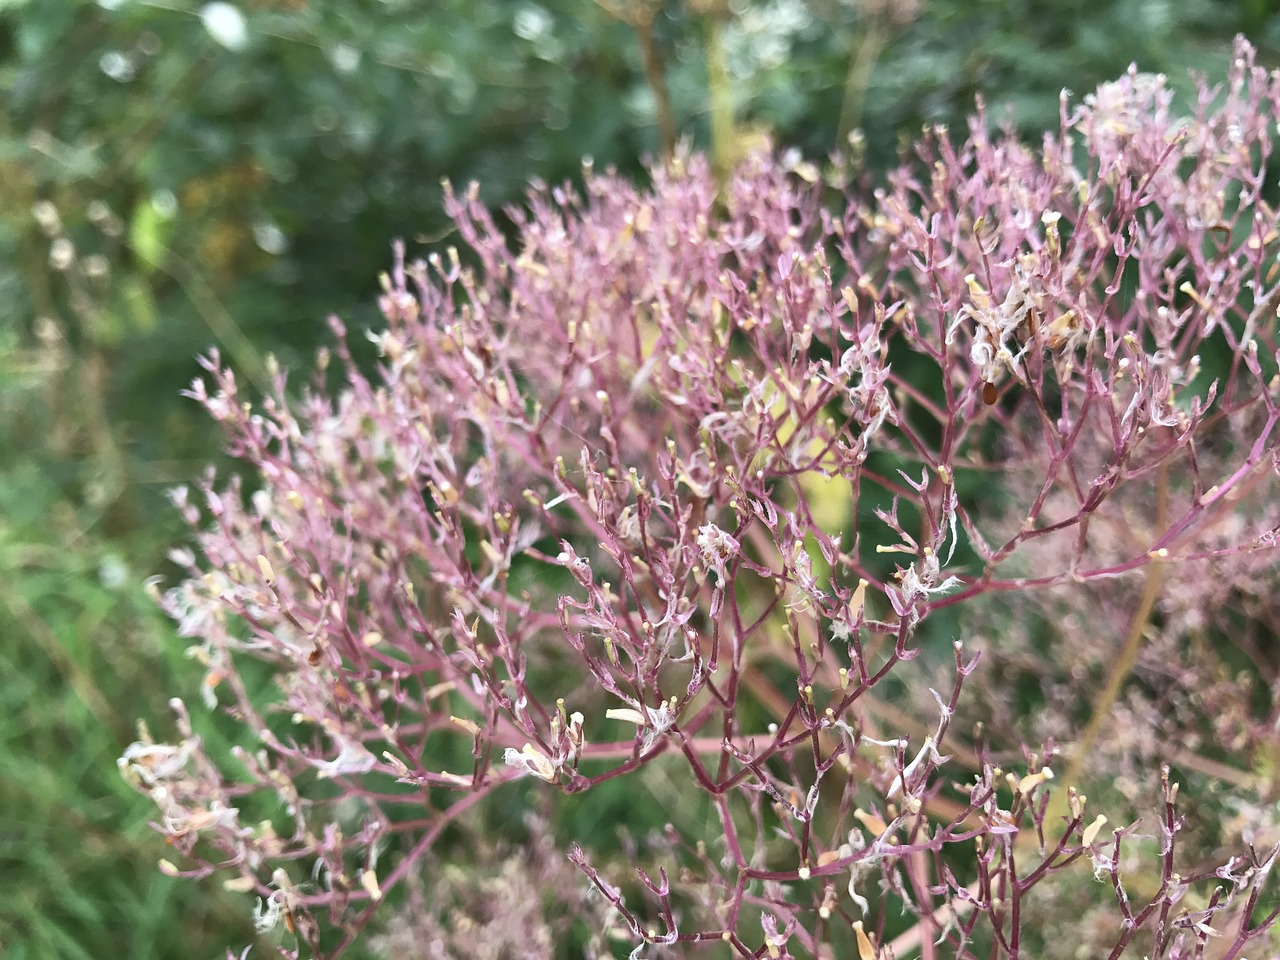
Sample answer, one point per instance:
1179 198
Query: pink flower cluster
678 479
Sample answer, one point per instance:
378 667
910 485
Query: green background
164 193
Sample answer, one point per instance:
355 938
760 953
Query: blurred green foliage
175 178
82 651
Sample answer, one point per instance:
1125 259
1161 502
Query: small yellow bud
869 820
468 725
866 950
1091 831
369 880
264 567
1032 780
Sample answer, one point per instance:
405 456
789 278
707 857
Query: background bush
164 192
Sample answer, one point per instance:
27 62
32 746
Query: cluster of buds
706 460
566 748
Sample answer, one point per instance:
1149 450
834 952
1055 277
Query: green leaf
139 304
149 232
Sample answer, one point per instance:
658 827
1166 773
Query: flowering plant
768 494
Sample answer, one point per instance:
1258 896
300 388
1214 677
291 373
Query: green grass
83 654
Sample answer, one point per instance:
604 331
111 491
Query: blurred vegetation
176 178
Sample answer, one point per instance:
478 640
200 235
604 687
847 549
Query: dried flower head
689 472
